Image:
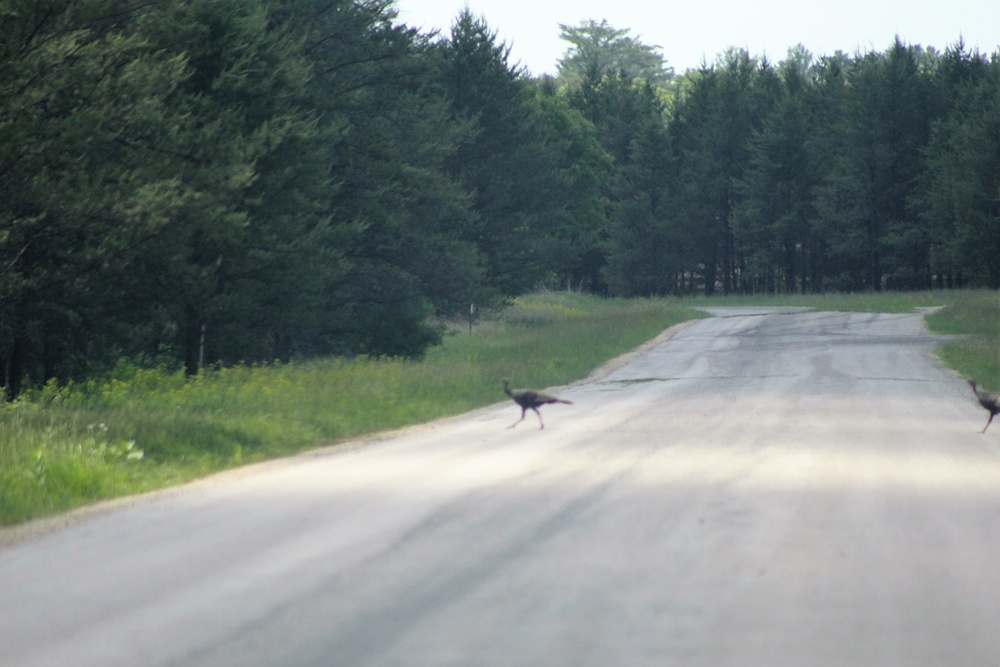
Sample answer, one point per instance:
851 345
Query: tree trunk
14 367
192 341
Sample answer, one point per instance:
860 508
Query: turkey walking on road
529 398
989 400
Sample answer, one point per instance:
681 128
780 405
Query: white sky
692 30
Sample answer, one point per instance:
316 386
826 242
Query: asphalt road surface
767 487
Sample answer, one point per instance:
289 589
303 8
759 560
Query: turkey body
530 399
989 400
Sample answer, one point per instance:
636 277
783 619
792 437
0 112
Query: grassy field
141 429
976 317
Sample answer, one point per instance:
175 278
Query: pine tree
958 194
504 164
629 119
85 122
772 221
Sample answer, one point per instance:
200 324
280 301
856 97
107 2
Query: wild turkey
529 398
989 400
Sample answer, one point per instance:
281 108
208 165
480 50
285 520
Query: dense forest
221 181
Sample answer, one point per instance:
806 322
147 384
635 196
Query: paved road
770 488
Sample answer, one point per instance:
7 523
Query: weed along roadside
172 429
139 429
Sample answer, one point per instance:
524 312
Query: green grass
141 429
975 316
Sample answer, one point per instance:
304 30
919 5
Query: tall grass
975 317
138 429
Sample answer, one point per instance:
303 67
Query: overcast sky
689 31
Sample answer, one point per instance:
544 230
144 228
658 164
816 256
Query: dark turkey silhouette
530 399
989 400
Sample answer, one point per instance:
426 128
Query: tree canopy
597 49
199 182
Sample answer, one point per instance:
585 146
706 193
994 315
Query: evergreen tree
85 121
629 119
772 220
874 165
504 164
240 124
958 194
571 242
695 198
718 110
402 226
250 180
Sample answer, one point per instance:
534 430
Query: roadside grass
140 429
975 317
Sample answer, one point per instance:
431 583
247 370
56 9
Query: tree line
220 181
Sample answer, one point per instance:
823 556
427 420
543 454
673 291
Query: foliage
957 198
203 182
79 91
711 126
628 117
598 49
973 315
515 162
865 173
194 183
771 219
